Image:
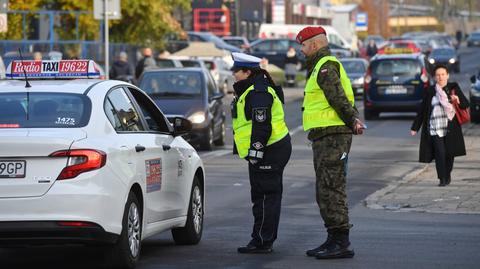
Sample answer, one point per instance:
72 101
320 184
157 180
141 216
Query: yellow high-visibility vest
317 112
243 128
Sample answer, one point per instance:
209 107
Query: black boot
442 183
252 249
313 252
447 182
339 247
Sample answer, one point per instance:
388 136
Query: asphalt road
381 239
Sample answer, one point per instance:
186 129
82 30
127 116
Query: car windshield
44 110
234 42
173 83
190 63
352 67
443 52
396 67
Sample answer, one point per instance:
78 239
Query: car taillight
75 224
367 80
424 77
79 161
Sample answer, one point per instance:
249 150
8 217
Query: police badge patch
257 145
260 114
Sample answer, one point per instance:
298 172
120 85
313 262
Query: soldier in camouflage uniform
330 117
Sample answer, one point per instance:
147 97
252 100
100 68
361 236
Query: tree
15 21
147 22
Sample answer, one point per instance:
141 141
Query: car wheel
126 251
370 115
192 232
221 140
207 143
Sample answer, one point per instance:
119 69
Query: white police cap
244 60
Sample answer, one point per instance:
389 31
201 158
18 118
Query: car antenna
27 85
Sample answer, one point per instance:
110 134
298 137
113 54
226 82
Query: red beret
309 32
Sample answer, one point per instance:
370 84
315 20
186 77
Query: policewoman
261 137
330 118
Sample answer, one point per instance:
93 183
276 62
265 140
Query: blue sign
362 21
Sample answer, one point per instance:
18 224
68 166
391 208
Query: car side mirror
473 79
216 96
181 126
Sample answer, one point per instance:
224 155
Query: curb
371 200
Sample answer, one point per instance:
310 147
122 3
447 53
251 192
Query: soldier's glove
254 156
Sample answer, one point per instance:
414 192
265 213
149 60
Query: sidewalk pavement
418 191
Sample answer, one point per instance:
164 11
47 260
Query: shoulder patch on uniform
260 114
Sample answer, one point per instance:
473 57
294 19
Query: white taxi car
92 161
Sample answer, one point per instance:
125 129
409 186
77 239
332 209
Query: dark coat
454 137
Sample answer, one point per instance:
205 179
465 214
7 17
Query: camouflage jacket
333 90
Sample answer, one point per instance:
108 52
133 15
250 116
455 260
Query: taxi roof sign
390 50
50 69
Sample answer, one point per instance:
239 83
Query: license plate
12 169
396 90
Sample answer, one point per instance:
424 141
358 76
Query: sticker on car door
153 173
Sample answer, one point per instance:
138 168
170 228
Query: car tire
221 140
207 143
191 234
126 251
370 115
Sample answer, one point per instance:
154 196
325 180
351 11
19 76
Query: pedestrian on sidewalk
330 118
261 137
147 62
442 137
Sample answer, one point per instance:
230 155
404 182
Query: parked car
275 50
209 37
473 39
446 56
193 94
238 41
221 73
93 162
394 83
475 99
168 63
356 69
339 52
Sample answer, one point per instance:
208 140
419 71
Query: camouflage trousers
330 157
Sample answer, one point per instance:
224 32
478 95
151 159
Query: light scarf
442 97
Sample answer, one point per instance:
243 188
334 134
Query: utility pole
107 67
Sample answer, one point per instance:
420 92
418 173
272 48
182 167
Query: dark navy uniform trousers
266 181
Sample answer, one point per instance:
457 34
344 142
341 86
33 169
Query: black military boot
339 247
313 252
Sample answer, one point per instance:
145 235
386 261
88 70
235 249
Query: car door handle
166 147
139 148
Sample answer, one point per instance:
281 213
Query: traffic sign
114 10
3 23
362 22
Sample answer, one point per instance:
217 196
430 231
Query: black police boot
339 247
252 249
313 252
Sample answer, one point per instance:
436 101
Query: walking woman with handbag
442 137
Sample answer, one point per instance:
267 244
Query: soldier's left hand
359 127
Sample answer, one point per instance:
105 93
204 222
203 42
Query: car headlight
452 60
197 117
359 80
432 61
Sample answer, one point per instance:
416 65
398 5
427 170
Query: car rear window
44 110
353 67
172 83
396 67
